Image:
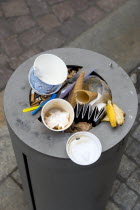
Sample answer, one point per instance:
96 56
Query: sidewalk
32 26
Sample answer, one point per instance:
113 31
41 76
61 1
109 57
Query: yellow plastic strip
30 109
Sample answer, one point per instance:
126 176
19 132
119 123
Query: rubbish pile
71 99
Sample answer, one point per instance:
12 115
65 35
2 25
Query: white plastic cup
79 152
59 104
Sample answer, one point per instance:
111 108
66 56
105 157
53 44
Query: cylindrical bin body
50 179
54 183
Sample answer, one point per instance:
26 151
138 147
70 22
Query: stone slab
125 197
134 181
111 206
133 151
126 167
7 157
136 133
11 196
116 36
2 118
16 176
137 207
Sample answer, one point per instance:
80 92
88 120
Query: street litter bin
50 179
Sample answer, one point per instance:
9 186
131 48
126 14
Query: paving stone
138 81
14 62
28 54
115 187
79 5
133 77
139 98
51 2
137 206
120 28
92 15
134 181
3 128
136 73
53 40
5 74
136 133
134 126
11 46
111 206
31 37
4 29
14 8
125 197
129 141
23 23
38 7
16 176
108 5
126 167
3 58
1 14
11 196
72 28
2 117
7 157
138 113
133 151
48 22
63 10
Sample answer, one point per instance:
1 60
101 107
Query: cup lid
83 148
50 69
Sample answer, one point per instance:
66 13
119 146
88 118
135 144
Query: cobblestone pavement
28 27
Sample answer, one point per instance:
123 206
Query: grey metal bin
50 179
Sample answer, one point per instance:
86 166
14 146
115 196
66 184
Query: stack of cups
47 74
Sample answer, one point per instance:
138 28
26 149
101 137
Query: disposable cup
59 104
50 69
84 148
40 87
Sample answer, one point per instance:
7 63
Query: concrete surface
117 36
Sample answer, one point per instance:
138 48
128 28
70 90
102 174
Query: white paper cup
84 151
50 69
40 87
59 104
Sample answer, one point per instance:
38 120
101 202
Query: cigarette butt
36 102
30 109
32 96
43 98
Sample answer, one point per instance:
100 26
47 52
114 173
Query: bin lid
33 133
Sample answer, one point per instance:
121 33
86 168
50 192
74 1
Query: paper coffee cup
50 69
58 104
83 148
